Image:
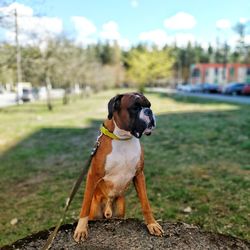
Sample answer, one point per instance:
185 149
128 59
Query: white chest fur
121 163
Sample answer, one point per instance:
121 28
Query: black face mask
139 129
138 126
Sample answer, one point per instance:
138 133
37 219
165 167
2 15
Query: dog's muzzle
148 117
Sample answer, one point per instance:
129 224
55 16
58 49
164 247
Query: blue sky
131 21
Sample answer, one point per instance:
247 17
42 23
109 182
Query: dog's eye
136 108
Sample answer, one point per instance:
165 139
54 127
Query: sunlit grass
197 157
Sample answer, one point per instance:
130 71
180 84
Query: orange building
220 73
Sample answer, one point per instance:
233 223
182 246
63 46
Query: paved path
218 97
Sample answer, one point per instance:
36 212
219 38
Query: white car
186 88
27 95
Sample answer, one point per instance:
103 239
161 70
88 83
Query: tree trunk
66 97
48 88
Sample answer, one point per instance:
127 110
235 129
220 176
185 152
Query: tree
145 67
242 28
7 64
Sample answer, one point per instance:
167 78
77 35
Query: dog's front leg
81 231
140 186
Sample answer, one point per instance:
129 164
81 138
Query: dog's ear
114 105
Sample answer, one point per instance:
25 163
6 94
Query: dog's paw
155 229
80 234
81 231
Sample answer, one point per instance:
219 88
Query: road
217 97
7 99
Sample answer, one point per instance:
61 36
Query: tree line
105 65
61 63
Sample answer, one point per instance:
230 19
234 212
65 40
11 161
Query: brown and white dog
117 162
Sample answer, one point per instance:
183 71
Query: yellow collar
112 135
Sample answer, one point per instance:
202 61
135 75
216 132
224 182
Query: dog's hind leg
96 208
119 207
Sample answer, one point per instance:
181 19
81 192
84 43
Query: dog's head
131 112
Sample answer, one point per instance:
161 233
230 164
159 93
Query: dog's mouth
143 126
148 130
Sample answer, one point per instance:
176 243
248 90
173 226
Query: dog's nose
152 123
148 112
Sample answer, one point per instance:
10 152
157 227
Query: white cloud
41 26
124 43
23 38
160 38
234 40
32 29
182 39
247 39
83 26
20 8
244 20
180 21
110 31
223 24
87 32
134 3
85 29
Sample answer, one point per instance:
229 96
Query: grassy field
198 157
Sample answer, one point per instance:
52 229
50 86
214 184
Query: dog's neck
123 134
112 127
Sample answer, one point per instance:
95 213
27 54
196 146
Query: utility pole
179 71
225 63
18 56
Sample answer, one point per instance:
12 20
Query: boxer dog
118 160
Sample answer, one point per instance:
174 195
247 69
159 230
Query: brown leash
72 194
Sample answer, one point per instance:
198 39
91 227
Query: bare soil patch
132 234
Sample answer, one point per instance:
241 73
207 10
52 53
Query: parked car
179 87
1 89
222 88
210 88
234 89
185 87
246 89
27 95
197 88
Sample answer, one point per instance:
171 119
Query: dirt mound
132 234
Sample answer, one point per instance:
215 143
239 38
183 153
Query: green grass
198 156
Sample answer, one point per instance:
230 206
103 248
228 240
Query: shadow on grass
47 147
192 159
37 174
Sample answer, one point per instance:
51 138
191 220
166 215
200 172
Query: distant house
219 73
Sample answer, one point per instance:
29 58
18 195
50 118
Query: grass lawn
198 157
